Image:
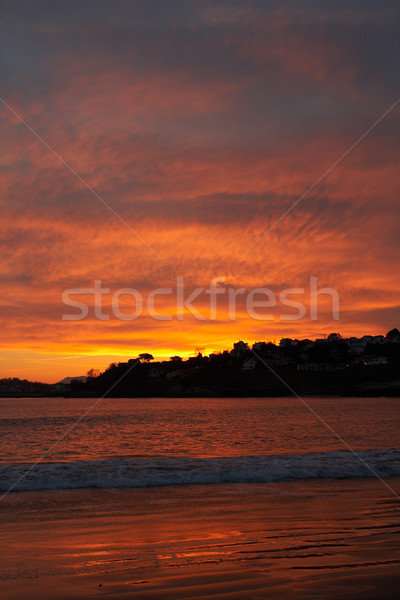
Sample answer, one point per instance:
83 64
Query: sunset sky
199 124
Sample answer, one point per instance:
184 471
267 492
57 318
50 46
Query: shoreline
336 539
362 394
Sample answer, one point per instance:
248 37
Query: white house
313 367
249 365
239 348
356 346
375 361
379 339
287 342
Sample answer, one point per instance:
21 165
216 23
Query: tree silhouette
92 373
146 357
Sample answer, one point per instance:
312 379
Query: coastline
206 393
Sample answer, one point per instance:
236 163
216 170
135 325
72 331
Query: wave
147 472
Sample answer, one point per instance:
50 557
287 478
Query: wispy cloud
200 125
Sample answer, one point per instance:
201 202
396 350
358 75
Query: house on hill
249 365
374 361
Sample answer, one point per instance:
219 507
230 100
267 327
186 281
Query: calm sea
126 443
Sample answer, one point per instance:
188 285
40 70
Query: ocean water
134 443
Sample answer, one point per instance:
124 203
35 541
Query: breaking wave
148 472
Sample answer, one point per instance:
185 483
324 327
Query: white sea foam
142 472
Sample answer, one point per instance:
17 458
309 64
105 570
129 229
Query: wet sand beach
306 539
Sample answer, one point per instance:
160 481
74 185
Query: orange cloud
200 136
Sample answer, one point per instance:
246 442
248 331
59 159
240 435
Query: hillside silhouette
366 366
